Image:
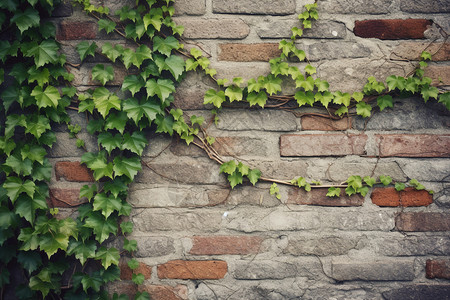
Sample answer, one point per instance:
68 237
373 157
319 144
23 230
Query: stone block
248 52
357 220
385 270
440 75
267 120
183 269
336 50
190 7
263 7
413 145
213 28
280 28
419 291
240 146
191 91
318 197
325 124
425 6
392 29
267 269
423 221
322 144
413 50
153 246
156 220
426 169
165 292
355 7
323 245
66 146
410 245
222 245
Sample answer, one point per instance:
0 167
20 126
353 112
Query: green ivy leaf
324 98
129 245
358 96
385 101
235 179
363 109
14 186
425 55
385 180
370 181
102 227
82 250
40 76
48 97
26 206
136 111
117 121
163 88
234 93
310 69
322 85
42 172
51 243
111 52
396 82
175 65
304 98
97 162
399 186
18 165
272 84
165 124
46 52
88 191
106 25
306 84
85 49
106 205
135 142
257 98
342 110
254 175
105 101
126 227
354 181
445 99
27 19
138 278
165 46
109 141
102 74
342 98
93 281
127 166
133 84
30 260
333 192
214 97
228 167
428 92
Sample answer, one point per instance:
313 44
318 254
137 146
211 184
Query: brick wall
198 239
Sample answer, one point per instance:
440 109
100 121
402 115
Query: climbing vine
67 258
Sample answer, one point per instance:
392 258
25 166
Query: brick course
408 197
73 171
183 269
393 29
220 245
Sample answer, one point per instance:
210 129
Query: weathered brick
72 171
425 6
413 50
248 52
221 245
438 268
76 30
200 269
357 221
211 28
419 291
322 144
263 270
239 145
322 246
397 244
66 197
324 123
318 197
165 292
423 221
322 29
127 288
387 270
413 145
190 7
439 74
355 7
408 197
126 273
151 246
392 29
262 7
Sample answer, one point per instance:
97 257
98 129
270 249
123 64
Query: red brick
438 74
408 197
413 50
218 245
65 197
165 292
438 268
248 52
126 273
422 221
76 30
319 197
322 144
325 124
413 145
183 269
73 171
392 29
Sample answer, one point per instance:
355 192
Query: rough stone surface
426 169
248 52
392 29
408 197
322 246
419 291
257 120
425 6
414 145
183 269
423 221
413 50
438 268
397 270
322 29
165 292
269 7
410 245
240 145
355 7
263 270
318 197
212 28
219 245
439 74
322 144
355 220
336 50
190 7
325 124
152 246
